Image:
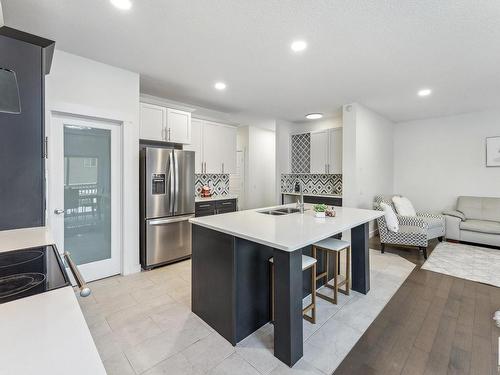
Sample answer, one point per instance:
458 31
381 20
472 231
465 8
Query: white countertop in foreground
47 334
287 232
216 198
23 238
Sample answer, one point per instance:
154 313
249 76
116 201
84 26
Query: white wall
438 159
260 161
85 87
367 156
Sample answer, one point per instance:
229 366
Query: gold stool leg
313 293
335 279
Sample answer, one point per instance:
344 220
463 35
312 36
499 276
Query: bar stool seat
333 247
307 262
333 244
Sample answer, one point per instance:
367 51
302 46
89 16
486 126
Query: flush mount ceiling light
220 86
122 4
424 92
314 116
298 45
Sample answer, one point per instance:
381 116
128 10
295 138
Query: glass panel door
85 193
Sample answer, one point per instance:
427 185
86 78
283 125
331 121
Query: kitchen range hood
9 92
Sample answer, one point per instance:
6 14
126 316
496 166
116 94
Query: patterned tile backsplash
301 153
219 183
313 183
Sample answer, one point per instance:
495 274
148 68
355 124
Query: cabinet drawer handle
204 205
226 203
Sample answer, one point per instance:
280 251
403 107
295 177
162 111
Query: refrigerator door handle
176 179
170 220
171 174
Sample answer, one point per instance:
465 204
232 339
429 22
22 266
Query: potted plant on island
320 209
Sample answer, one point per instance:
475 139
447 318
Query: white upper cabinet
212 147
228 140
153 119
319 152
196 144
178 126
164 124
215 144
325 151
335 151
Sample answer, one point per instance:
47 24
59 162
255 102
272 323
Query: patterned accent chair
413 230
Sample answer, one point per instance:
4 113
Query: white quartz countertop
23 238
216 198
286 232
47 334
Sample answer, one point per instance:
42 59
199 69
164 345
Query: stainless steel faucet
300 200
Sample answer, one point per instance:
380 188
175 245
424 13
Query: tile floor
142 324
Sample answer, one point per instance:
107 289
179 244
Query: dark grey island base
231 286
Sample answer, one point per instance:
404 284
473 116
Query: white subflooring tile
143 324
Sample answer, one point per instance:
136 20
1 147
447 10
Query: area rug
465 261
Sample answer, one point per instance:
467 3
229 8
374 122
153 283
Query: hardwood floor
434 324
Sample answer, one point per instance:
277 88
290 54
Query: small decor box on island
322 210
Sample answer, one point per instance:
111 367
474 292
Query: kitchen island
230 269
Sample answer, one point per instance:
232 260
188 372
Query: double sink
280 211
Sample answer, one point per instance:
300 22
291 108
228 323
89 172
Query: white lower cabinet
215 147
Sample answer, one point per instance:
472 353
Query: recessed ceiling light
220 86
122 4
314 116
424 92
298 46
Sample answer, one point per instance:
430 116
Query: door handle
82 285
172 189
176 180
58 211
171 220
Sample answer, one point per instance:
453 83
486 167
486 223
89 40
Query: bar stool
307 262
334 247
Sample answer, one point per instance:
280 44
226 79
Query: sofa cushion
483 226
479 208
403 206
471 207
491 209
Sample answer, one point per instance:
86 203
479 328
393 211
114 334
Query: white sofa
476 220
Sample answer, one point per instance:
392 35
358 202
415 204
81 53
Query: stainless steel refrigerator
167 203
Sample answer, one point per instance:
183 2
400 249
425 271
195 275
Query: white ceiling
378 53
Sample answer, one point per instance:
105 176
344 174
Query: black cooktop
27 272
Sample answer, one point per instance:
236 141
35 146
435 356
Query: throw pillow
390 217
403 206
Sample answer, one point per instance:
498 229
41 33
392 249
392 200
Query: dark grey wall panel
21 140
